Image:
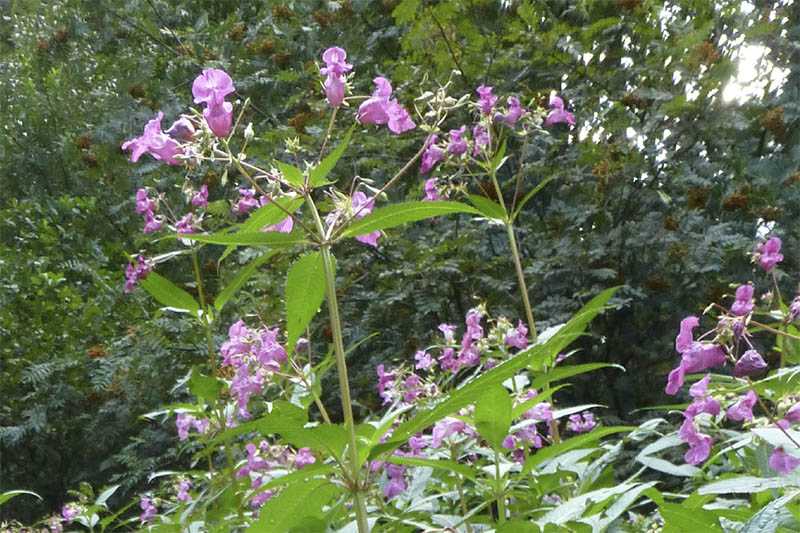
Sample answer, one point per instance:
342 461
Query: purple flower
482 139
334 71
702 402
782 462
155 142
261 498
445 428
541 412
743 409
794 309
362 206
212 86
183 490
769 253
431 193
219 118
185 225
457 145
449 332
395 486
685 337
304 457
699 443
247 201
181 130
152 223
793 414
515 112
200 198
143 202
184 423
432 154
424 360
558 114
743 305
581 423
486 99
518 337
70 511
695 356
412 386
284 226
381 109
748 364
148 509
386 380
136 270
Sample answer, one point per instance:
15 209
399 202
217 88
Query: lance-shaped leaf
251 238
266 216
296 504
291 173
168 294
487 207
317 176
240 279
305 291
493 415
403 213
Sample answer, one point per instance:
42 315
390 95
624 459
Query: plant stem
523 287
341 367
501 497
212 360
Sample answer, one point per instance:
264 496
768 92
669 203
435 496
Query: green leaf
326 438
439 464
293 505
772 516
249 238
533 192
291 173
303 474
266 216
284 416
317 176
4 497
403 213
545 352
305 291
563 372
493 415
580 441
488 207
244 274
678 519
106 494
405 11
747 485
204 387
168 294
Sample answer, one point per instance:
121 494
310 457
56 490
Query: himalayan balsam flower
155 142
335 69
212 86
144 204
515 112
482 139
558 115
457 145
748 364
699 443
148 509
449 332
200 198
362 206
695 356
382 109
137 270
70 511
431 192
581 423
304 457
782 462
219 118
431 156
423 359
794 309
247 201
518 337
486 100
743 409
397 481
769 253
183 490
181 130
702 402
743 305
185 225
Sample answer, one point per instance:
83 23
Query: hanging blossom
486 100
469 354
200 198
335 69
742 410
743 304
768 253
362 206
558 115
381 109
431 191
253 355
513 114
247 201
71 511
782 462
518 337
749 363
149 509
146 207
181 130
581 422
185 422
186 225
432 154
481 138
183 490
528 435
457 145
137 270
695 356
155 142
210 88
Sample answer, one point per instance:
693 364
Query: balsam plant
471 434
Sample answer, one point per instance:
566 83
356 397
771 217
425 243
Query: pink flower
247 201
219 118
486 100
515 112
155 142
482 139
143 202
431 192
424 360
362 206
304 457
695 356
748 364
70 511
581 423
445 428
137 270
457 145
381 109
335 69
200 198
148 509
743 409
181 130
743 305
702 402
518 337
183 490
185 225
769 253
212 86
431 156
699 443
782 462
558 115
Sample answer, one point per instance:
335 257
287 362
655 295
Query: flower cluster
264 461
185 422
137 270
149 509
254 355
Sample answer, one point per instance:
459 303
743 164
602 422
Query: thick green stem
523 287
212 359
344 388
499 492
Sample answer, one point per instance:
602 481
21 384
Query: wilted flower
181 130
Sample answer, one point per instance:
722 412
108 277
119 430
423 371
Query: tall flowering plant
473 417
